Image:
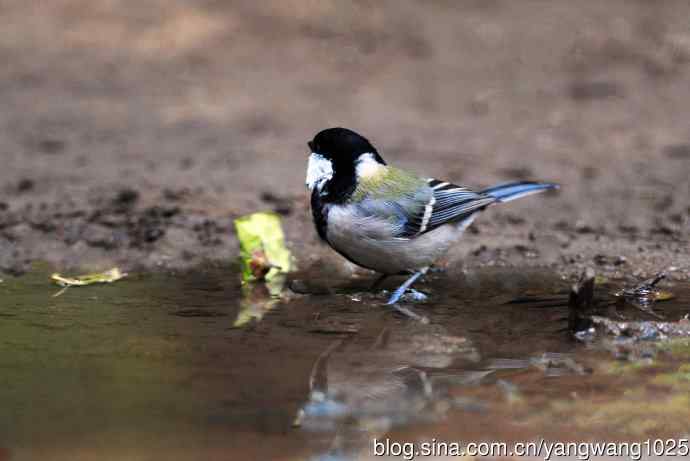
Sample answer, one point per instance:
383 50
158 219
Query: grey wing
384 219
447 203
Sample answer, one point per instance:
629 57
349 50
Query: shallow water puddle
155 367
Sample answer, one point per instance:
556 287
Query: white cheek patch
319 170
367 166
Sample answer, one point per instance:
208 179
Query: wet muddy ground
192 367
133 134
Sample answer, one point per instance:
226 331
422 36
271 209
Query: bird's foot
397 294
414 296
378 282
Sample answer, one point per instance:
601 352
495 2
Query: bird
387 219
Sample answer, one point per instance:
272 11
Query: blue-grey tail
514 190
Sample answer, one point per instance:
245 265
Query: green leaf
263 253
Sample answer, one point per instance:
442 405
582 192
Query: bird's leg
397 294
377 283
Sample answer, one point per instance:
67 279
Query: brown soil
132 133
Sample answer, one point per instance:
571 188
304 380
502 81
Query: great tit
387 219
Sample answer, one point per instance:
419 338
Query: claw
397 294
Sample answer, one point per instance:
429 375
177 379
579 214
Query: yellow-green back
388 183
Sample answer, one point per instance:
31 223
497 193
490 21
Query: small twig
580 300
62 290
318 363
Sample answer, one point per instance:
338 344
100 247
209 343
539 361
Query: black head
332 170
342 146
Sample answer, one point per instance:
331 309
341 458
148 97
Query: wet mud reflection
189 366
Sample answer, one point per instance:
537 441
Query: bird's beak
319 170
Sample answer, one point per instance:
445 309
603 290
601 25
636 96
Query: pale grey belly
363 243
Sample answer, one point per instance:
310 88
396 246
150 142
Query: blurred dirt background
132 133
